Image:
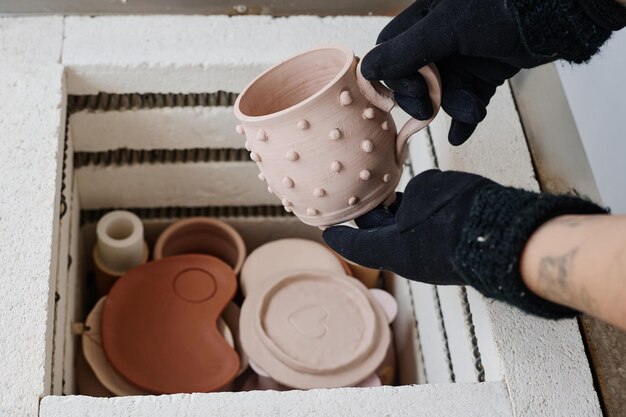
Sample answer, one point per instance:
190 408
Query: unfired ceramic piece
285 255
231 318
386 372
105 278
202 235
120 241
94 354
387 302
100 366
368 276
262 383
87 382
320 142
314 329
159 325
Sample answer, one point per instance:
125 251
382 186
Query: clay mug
322 135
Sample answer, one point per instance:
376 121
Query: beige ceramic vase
323 137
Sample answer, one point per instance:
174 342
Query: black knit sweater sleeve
573 30
500 222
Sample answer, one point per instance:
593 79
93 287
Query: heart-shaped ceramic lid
314 329
283 255
159 325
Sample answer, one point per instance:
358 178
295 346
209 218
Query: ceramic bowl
202 235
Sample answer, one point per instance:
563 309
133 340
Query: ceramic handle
382 97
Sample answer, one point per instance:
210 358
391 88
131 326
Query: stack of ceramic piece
306 324
170 325
167 326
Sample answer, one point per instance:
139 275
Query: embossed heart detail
310 321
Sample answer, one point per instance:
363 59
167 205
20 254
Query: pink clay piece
319 95
283 255
314 329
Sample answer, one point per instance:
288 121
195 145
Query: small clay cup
202 235
323 136
120 246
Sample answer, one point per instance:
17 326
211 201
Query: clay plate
314 329
159 325
284 255
94 354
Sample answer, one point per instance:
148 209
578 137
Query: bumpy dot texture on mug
303 144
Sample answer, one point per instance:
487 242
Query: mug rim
349 54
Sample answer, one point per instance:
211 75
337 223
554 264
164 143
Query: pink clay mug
322 135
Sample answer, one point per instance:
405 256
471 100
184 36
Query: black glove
461 229
479 44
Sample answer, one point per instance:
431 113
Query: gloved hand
477 45
461 229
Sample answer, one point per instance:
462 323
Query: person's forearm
580 262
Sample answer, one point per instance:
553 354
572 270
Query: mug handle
382 97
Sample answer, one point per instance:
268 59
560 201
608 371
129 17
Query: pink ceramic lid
314 329
284 255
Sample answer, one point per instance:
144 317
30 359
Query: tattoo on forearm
554 273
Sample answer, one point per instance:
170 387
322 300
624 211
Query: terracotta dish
159 325
202 235
314 329
322 136
283 255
